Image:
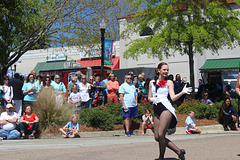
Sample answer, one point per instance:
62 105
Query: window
146 31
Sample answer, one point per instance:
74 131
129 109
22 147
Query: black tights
161 125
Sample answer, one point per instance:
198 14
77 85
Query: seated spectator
75 100
71 129
227 115
28 123
205 99
147 120
8 121
190 124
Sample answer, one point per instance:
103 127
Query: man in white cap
79 76
8 121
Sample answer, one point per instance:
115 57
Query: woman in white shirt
84 89
8 92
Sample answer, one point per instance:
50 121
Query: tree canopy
186 27
28 24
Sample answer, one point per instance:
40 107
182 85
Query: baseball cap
9 106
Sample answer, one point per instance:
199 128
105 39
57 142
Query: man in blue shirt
128 97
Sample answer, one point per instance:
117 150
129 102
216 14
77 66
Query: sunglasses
205 95
57 78
129 78
91 79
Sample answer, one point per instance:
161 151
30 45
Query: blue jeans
23 128
86 104
11 134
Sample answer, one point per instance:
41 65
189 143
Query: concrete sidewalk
179 130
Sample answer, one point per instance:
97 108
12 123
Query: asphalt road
221 146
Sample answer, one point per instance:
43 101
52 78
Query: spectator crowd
83 93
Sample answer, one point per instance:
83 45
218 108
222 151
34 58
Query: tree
28 24
184 26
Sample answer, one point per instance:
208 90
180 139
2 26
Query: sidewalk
179 130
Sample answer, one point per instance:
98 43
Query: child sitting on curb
147 120
190 124
71 129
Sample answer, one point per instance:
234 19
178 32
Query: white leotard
162 93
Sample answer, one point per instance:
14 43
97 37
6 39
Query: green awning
44 66
221 64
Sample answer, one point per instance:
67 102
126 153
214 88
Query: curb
179 130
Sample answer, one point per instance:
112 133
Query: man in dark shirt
17 84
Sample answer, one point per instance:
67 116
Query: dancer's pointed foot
181 155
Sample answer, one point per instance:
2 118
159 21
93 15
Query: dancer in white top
164 112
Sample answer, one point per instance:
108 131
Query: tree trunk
3 72
191 65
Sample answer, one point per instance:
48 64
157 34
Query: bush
97 118
50 115
201 110
104 117
187 106
116 111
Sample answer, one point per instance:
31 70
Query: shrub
202 110
187 106
116 111
97 118
50 115
104 117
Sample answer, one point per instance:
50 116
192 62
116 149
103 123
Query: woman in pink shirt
112 87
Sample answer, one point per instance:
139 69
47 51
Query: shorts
131 113
159 108
149 126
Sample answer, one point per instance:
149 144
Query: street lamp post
102 29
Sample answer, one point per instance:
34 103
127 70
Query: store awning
97 62
42 66
220 65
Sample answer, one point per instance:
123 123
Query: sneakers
71 136
128 134
188 131
31 137
64 136
132 134
226 129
